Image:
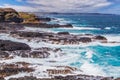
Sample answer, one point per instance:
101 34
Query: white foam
36 29
108 28
86 28
92 69
89 54
81 28
113 38
17 75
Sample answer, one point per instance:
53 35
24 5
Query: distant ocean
94 58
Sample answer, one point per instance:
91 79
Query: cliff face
11 15
1 15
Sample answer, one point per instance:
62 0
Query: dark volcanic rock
45 19
28 34
31 54
25 78
43 52
10 27
44 25
4 54
58 38
63 33
67 26
6 45
85 39
12 69
100 37
39 54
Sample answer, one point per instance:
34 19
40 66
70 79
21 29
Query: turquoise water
97 59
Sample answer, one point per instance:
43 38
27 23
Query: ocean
99 59
94 58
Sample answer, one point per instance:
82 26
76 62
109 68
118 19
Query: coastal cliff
11 15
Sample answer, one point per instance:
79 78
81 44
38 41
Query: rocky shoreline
21 60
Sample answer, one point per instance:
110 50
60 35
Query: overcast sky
64 6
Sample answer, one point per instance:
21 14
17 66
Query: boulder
99 37
6 45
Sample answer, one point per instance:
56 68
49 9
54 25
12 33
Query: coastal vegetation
28 17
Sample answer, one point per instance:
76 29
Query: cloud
61 5
20 8
69 5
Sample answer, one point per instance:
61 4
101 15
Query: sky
64 6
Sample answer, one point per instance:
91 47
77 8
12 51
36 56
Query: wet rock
44 25
85 39
10 27
24 78
2 28
100 38
61 70
4 54
66 26
37 53
58 38
63 33
6 45
45 19
28 34
12 69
